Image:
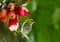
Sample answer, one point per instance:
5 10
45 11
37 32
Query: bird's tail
28 39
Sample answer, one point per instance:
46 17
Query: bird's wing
25 36
24 29
23 26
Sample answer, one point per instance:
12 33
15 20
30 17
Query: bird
26 28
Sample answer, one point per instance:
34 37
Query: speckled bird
26 27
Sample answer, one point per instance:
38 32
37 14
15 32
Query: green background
47 21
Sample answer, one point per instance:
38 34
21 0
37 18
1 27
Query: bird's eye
32 20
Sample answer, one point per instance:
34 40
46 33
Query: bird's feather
26 28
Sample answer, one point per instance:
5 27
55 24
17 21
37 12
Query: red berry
4 13
22 11
11 6
12 15
13 24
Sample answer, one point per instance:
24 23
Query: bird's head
30 21
27 26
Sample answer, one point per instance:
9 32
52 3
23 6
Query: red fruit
22 11
13 24
4 13
11 6
12 15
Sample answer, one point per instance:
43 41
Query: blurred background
46 14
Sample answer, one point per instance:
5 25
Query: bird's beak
33 21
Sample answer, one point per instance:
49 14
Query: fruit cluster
10 14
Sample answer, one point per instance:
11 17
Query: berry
11 6
4 12
3 15
22 11
12 15
13 24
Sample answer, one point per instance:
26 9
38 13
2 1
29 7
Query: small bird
27 27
